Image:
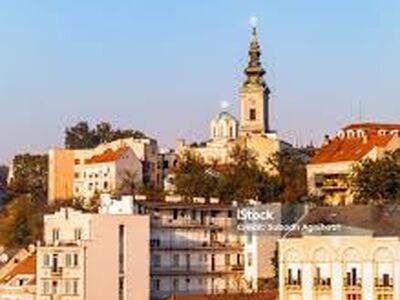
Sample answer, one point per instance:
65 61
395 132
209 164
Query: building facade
329 170
347 267
93 256
192 249
85 172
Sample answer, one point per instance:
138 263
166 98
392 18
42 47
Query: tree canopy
30 176
243 178
377 181
81 135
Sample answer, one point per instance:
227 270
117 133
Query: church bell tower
254 93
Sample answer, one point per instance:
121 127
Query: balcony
292 284
196 245
322 284
352 284
333 182
208 222
195 270
384 284
58 271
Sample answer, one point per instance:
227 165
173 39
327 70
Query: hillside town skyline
300 79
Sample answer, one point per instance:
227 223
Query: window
249 259
76 260
55 263
78 234
68 260
67 286
46 260
156 260
175 213
252 114
55 234
121 249
75 287
176 260
105 185
121 288
77 161
54 287
156 284
176 284
227 259
46 287
76 175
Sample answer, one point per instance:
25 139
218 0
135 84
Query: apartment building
93 256
359 261
329 169
85 173
193 249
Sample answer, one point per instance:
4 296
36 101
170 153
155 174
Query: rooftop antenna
360 116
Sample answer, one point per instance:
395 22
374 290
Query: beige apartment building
329 169
93 256
84 173
357 262
253 131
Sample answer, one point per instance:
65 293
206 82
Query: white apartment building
193 249
196 250
93 256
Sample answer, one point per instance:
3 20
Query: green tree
194 178
245 179
81 135
290 165
21 222
377 181
30 176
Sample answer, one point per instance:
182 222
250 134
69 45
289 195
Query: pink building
93 257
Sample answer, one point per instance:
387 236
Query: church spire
254 71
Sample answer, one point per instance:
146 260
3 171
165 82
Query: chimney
327 140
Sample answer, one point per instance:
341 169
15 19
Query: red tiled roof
373 126
268 295
349 149
25 267
107 156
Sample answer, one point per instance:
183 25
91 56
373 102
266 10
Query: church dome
224 126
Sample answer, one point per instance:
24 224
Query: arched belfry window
252 114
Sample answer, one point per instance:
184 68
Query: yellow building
358 260
253 130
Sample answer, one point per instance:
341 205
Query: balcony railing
168 221
352 283
384 283
196 245
195 269
56 271
292 284
322 283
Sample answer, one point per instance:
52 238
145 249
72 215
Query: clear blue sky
164 66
